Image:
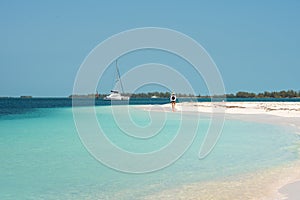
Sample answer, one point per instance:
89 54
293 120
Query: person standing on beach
173 101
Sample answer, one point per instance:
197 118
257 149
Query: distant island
266 94
21 97
25 97
240 94
284 94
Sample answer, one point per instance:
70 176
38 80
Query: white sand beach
282 109
280 183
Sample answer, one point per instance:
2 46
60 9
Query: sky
255 44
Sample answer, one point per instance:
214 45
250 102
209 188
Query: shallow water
42 156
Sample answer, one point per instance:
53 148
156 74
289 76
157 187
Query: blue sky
255 44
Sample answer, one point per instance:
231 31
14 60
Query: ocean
42 156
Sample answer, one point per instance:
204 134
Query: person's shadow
291 191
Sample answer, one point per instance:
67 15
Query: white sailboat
115 94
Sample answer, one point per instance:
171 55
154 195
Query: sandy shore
279 113
282 109
272 184
283 183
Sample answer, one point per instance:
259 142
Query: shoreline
264 184
282 182
277 113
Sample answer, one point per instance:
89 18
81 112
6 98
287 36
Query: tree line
240 94
266 94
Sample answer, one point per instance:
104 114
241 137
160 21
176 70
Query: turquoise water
42 156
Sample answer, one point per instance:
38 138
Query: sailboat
115 94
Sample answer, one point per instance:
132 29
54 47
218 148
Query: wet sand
278 183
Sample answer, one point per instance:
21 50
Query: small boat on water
115 94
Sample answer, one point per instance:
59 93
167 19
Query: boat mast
119 77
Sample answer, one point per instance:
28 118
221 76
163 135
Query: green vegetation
281 94
241 94
150 94
158 95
